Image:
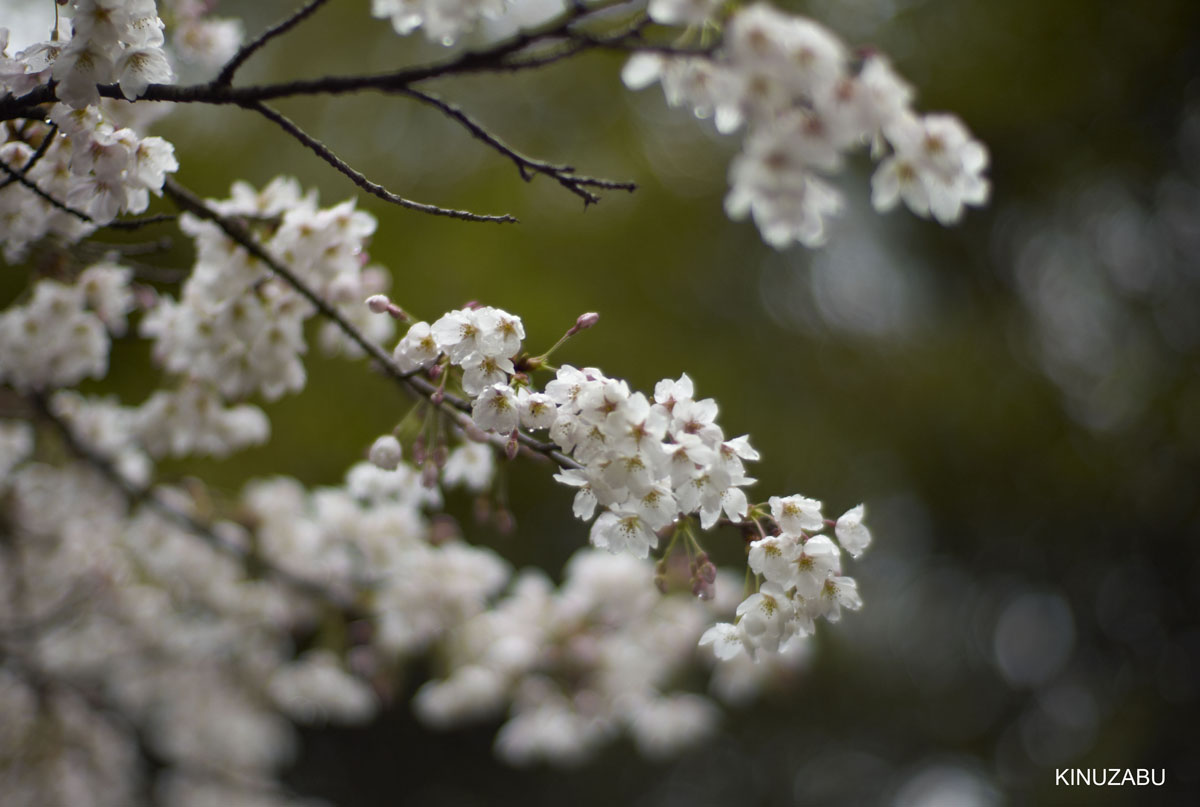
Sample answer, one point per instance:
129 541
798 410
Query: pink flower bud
444 528
378 303
583 322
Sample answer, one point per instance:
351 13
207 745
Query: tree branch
456 407
528 167
124 224
492 59
326 154
246 51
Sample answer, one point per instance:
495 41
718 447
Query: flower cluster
650 466
199 38
112 41
61 335
85 161
804 103
576 665
123 629
803 580
646 463
237 331
145 620
190 653
442 21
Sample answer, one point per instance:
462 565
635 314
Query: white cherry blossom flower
495 409
851 533
623 531
796 515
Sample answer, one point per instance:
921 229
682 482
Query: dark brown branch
528 167
497 58
326 154
248 50
145 221
19 176
122 224
456 407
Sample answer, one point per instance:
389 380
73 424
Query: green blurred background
1016 399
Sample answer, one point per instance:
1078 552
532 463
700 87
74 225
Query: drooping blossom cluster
803 578
650 466
645 463
804 102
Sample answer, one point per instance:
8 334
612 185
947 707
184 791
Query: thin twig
456 407
528 167
248 50
19 176
42 148
116 224
145 221
326 154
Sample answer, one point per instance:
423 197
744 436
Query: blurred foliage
982 487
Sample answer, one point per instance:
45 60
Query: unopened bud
435 372
429 475
586 321
703 589
440 455
380 304
385 453
419 453
512 446
660 582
